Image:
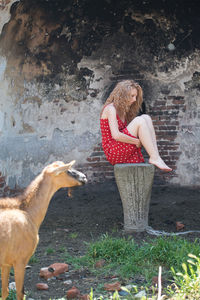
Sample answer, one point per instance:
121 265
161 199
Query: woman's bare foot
159 163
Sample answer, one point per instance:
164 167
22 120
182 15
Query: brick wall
165 115
98 168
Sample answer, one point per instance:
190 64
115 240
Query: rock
140 295
12 286
100 263
116 286
123 293
42 286
73 293
44 273
171 47
67 282
53 270
28 267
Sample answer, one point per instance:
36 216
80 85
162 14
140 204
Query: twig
159 283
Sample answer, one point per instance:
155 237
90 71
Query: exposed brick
178 101
93 158
99 153
158 122
103 158
175 97
167 147
98 148
159 102
164 153
166 134
167 127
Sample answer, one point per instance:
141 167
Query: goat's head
64 175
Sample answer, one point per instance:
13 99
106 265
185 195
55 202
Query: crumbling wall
58 62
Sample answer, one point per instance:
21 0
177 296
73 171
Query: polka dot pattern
118 152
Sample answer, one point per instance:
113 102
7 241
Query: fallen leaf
179 226
100 263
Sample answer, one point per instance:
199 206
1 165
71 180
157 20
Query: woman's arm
110 114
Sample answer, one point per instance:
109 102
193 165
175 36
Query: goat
21 217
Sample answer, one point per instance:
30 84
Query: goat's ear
71 163
63 168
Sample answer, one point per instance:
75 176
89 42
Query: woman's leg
149 122
141 128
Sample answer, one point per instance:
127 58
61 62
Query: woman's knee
146 117
138 120
135 124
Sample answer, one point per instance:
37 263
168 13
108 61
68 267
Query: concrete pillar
134 182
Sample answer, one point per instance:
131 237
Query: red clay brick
95 158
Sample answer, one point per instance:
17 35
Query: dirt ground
94 210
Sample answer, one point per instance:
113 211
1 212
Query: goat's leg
19 280
5 272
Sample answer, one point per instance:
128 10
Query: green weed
33 260
73 235
187 283
50 251
12 295
62 249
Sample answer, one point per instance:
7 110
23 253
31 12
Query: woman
123 132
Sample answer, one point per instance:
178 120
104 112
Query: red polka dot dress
118 152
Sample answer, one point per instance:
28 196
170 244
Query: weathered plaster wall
58 61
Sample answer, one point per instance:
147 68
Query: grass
129 258
128 261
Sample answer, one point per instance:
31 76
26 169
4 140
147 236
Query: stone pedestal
134 182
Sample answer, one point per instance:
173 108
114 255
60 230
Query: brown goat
21 217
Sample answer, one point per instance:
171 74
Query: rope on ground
151 231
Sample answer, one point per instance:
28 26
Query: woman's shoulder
108 109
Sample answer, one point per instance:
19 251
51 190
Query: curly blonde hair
120 96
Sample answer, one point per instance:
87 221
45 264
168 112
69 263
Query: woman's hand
138 143
110 114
